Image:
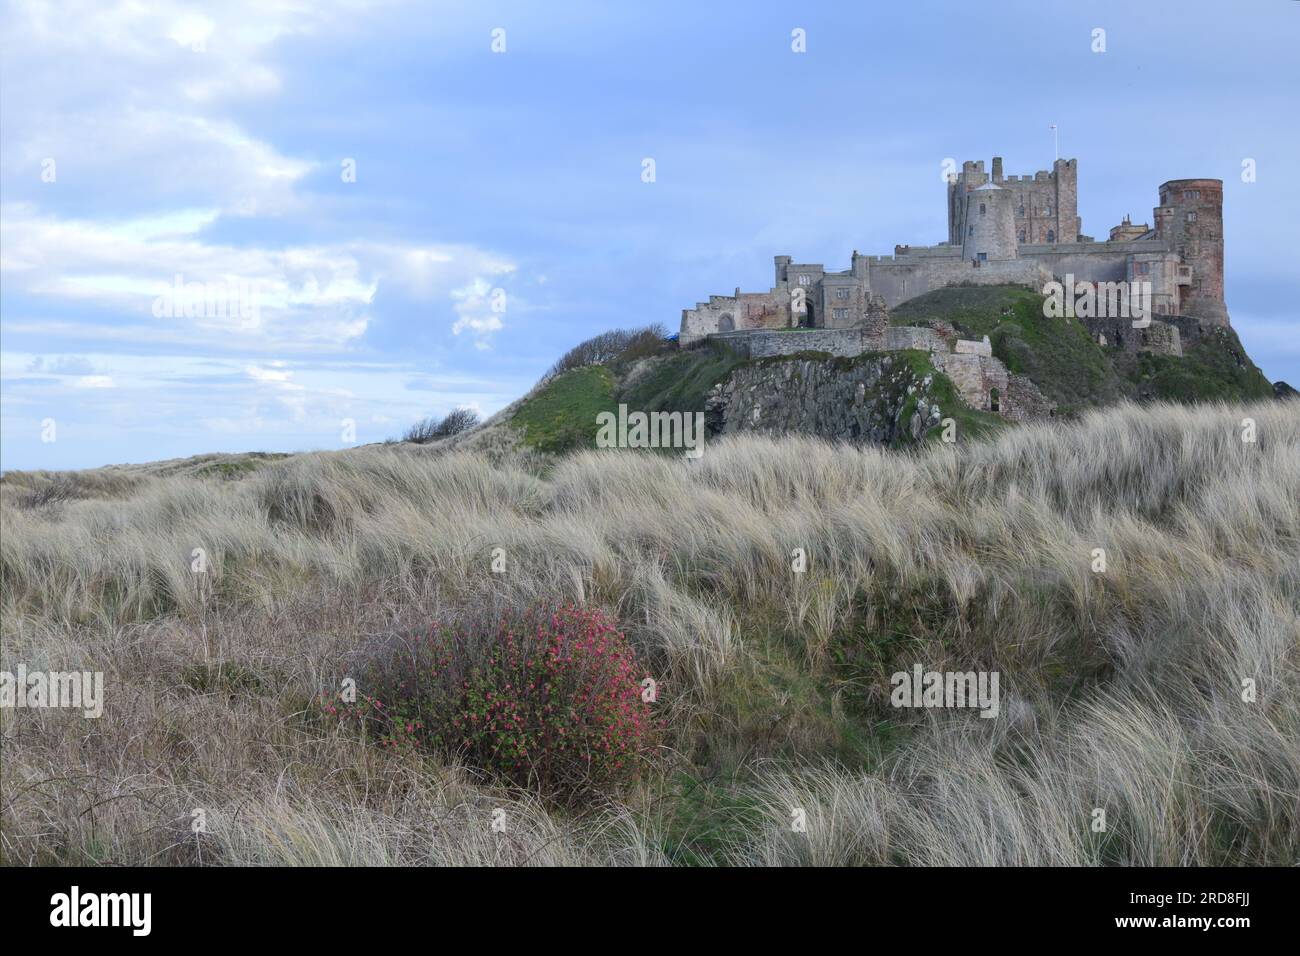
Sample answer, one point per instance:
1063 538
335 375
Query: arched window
1022 235
1051 236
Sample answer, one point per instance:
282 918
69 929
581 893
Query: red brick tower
1190 217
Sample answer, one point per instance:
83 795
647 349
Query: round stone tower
1190 217
990 224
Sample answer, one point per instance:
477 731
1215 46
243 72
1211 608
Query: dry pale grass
1121 690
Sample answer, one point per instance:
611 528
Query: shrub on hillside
550 700
619 345
51 493
431 429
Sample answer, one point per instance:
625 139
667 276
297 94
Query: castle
1002 230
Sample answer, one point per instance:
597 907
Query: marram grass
1123 690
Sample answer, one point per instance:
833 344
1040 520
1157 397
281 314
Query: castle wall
1159 338
974 377
914 337
942 251
1166 275
727 313
1190 329
969 347
843 302
1024 402
842 343
905 277
1090 261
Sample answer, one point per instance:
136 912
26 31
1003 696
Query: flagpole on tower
1056 141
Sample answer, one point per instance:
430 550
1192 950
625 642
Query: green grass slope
1057 354
971 422
561 415
680 381
1064 360
1216 368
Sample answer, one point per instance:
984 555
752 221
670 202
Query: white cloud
110 87
312 297
479 307
94 381
175 50
141 106
279 376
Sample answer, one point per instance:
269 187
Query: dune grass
1122 690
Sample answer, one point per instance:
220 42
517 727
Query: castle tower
1046 204
990 224
858 266
959 184
1065 177
1190 218
782 268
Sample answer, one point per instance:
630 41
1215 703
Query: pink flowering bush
551 700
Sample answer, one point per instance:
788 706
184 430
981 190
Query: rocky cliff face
867 399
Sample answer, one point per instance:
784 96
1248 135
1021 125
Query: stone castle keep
1002 230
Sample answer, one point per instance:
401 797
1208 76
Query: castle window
1143 268
970 230
840 313
983 257
841 293
981 209
1051 236
1021 210
1191 216
805 279
1021 237
1048 210
995 400
1191 194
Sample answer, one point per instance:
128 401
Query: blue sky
209 141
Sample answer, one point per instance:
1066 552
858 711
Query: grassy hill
560 414
1059 355
1071 368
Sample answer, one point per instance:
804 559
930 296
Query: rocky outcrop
864 400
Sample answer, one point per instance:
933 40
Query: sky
377 212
